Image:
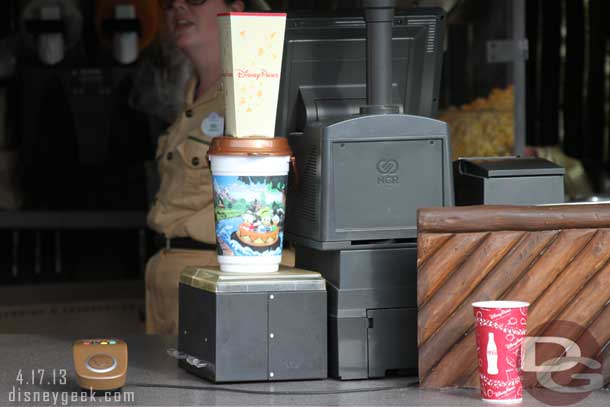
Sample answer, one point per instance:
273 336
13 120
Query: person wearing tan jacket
183 210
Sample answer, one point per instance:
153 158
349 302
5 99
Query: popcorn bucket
251 47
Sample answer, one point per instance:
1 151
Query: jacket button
195 161
169 156
189 113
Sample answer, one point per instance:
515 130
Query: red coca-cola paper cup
500 330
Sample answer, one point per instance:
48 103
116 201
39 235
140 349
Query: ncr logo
387 172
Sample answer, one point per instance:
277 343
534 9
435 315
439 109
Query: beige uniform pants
162 279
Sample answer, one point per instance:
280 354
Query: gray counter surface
150 364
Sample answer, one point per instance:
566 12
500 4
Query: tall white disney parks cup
250 176
251 46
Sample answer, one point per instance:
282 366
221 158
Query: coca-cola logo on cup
562 364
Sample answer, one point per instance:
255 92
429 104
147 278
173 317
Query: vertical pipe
379 56
550 66
379 15
532 18
573 81
594 145
519 76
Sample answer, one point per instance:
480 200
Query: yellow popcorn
484 127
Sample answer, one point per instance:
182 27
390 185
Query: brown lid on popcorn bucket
253 146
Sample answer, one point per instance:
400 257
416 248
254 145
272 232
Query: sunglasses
167 4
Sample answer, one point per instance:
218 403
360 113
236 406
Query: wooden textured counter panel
557 258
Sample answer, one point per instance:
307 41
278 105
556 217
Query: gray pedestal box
372 308
253 327
507 181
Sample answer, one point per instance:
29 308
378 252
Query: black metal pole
379 15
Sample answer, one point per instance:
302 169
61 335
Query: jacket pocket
197 178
